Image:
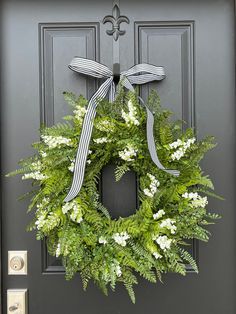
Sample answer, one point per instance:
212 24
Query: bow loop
137 74
143 78
90 67
146 68
125 81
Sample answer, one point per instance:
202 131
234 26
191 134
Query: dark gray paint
120 198
175 37
194 40
59 42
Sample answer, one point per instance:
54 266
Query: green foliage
171 209
129 280
120 171
188 258
103 210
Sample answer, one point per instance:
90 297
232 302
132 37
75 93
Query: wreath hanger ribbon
137 74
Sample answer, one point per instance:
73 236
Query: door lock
17 301
17 262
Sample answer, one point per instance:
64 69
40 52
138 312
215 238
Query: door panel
194 41
59 43
121 198
171 44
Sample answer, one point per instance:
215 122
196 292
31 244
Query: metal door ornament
115 19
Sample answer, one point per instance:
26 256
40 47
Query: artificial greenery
81 232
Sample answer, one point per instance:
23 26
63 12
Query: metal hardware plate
17 301
17 262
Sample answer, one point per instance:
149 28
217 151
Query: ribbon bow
137 74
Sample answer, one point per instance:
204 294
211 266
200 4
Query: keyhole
17 263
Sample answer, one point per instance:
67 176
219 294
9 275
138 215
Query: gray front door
194 41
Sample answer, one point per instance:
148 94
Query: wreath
171 210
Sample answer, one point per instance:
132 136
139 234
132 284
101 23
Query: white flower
58 250
43 203
75 211
41 220
169 224
182 147
118 270
163 242
185 195
47 222
102 240
115 268
79 113
200 202
101 140
68 206
130 117
105 126
152 187
121 238
56 141
159 214
189 142
157 255
37 165
72 166
176 144
34 175
197 200
76 216
153 179
148 192
178 154
43 154
193 196
128 153
154 183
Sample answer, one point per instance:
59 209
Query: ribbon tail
112 92
152 146
81 156
82 152
150 137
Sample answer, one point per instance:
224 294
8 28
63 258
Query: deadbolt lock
17 262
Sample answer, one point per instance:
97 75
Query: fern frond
120 171
85 277
213 216
188 258
129 280
103 209
22 170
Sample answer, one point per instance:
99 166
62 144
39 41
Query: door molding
48 34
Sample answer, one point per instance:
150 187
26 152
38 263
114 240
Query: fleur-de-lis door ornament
115 19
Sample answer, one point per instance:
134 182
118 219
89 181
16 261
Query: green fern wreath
81 232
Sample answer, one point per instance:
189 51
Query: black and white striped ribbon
138 74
